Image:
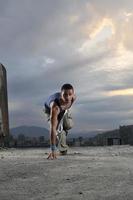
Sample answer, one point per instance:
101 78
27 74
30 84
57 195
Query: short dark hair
67 86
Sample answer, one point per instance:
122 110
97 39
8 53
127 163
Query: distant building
107 138
4 120
123 135
126 134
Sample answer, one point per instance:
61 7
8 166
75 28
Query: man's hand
52 155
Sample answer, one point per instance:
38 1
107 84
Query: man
56 109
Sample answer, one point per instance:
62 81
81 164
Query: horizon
87 131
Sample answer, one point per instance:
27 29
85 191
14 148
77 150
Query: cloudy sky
88 43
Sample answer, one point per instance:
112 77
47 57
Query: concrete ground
90 173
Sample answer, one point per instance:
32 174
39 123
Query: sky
87 43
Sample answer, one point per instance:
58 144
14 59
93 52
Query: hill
30 131
35 131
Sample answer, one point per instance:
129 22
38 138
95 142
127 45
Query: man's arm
53 123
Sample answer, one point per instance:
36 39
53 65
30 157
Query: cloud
44 44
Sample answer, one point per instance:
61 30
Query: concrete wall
4 119
107 138
126 134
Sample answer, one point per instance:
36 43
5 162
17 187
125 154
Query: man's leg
62 146
67 124
67 121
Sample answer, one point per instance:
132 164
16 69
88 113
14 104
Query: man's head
67 92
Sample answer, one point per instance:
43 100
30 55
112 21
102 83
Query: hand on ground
52 155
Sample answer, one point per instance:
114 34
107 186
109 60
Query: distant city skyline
44 44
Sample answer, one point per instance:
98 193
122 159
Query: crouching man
57 110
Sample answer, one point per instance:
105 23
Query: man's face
67 95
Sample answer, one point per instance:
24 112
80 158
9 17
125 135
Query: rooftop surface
93 173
